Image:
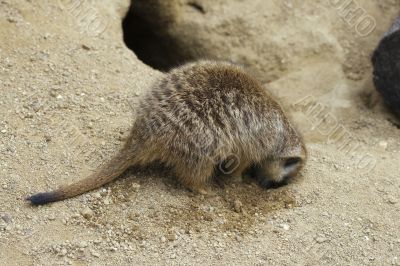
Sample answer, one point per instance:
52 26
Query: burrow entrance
146 31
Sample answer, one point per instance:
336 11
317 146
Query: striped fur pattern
196 117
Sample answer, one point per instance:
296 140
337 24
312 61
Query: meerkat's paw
206 193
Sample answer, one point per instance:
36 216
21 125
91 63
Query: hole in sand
146 32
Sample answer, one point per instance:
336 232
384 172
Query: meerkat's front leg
234 170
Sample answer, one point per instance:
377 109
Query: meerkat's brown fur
198 115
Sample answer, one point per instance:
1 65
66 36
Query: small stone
326 214
107 201
392 200
87 213
51 217
238 238
3 131
238 206
47 137
59 97
6 218
383 144
11 20
103 192
53 93
285 227
134 216
321 239
135 227
63 252
95 253
163 239
85 47
83 244
137 94
135 187
171 237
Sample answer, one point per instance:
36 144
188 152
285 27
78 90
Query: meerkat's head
276 171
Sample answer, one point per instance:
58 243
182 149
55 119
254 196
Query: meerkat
196 117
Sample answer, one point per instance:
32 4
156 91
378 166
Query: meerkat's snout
277 172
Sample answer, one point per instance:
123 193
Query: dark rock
386 62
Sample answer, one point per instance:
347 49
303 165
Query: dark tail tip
43 198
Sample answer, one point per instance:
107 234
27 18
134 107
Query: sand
68 92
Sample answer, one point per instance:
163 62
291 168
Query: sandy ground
68 91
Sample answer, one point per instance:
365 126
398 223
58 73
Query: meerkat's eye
292 161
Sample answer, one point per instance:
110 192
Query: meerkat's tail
107 173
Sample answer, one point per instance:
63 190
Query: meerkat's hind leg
195 178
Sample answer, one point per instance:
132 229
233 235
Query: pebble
87 213
53 93
107 201
134 216
392 200
135 227
326 214
238 206
4 131
12 20
83 244
321 239
171 237
103 192
63 252
47 138
46 35
95 253
285 227
6 218
383 144
135 187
